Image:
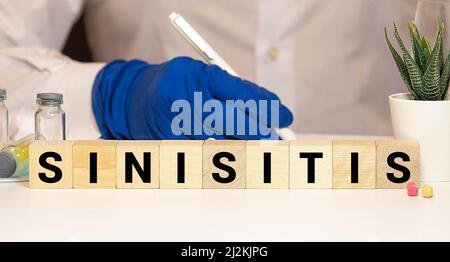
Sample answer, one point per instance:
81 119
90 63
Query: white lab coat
326 59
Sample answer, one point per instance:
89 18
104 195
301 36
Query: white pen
212 57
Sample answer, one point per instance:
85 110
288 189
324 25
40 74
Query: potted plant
423 113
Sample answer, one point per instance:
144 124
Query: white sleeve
24 72
37 23
29 30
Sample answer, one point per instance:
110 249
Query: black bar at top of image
243 251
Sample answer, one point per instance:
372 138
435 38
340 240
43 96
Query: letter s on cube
397 163
50 164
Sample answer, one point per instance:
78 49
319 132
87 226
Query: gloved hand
133 100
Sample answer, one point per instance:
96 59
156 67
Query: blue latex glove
133 100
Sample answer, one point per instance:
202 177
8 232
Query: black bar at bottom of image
222 251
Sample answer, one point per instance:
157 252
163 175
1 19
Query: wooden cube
398 163
311 164
137 164
354 164
181 164
224 164
50 164
267 164
94 164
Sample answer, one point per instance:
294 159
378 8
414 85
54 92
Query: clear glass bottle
3 120
50 119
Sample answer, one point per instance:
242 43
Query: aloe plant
425 73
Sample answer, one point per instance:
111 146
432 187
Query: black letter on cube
355 167
267 168
43 162
93 168
391 162
144 173
311 164
180 168
231 172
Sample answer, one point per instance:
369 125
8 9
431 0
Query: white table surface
222 215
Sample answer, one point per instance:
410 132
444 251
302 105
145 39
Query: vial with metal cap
8 164
50 119
14 159
3 120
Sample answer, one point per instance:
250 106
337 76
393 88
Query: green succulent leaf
441 40
413 28
445 76
419 55
431 78
415 74
425 72
438 39
425 47
400 65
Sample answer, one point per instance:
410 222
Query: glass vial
14 158
3 120
50 119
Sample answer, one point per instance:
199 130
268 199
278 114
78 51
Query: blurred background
326 59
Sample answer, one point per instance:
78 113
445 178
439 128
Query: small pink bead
412 189
411 184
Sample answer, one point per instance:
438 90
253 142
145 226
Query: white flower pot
429 123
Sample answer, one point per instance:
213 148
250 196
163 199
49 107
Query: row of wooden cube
287 168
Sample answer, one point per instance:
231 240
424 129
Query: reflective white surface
222 215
